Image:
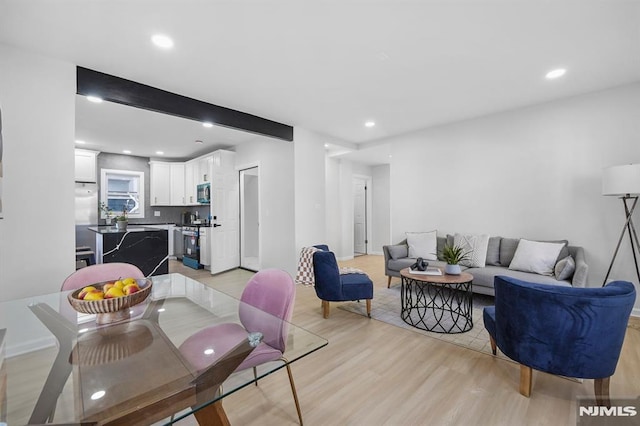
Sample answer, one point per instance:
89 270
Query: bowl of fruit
110 300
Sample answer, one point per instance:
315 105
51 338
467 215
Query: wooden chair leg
601 389
369 307
389 282
293 389
525 380
493 344
325 309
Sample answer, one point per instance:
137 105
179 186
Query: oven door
190 239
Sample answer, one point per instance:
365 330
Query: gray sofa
499 256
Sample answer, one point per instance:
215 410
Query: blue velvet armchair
332 287
569 331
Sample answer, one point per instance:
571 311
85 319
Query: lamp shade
621 180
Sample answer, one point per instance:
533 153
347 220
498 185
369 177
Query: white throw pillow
476 247
423 244
536 256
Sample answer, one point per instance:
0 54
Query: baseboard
345 258
377 253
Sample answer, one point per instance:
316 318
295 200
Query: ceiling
331 65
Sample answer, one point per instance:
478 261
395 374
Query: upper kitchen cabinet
177 184
167 183
204 169
85 166
190 182
160 186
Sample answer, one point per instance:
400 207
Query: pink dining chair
100 272
270 290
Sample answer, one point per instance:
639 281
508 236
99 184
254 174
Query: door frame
368 210
240 169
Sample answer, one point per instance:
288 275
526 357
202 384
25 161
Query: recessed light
326 145
162 41
555 73
199 142
98 395
94 99
207 124
126 151
160 152
79 142
369 124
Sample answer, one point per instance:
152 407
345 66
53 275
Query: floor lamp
624 183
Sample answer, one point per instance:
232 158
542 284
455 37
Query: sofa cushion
422 244
493 251
508 248
400 264
441 242
475 246
565 268
398 252
536 256
483 277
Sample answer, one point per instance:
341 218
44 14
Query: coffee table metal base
436 307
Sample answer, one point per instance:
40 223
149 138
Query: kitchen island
143 246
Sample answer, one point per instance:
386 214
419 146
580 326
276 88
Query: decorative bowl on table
110 310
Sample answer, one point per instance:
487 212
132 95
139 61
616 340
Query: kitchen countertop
113 230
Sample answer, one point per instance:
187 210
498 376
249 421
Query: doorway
250 219
360 215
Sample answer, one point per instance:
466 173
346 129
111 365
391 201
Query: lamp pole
633 236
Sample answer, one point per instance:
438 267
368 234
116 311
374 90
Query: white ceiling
329 66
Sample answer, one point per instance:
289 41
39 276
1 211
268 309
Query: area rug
385 307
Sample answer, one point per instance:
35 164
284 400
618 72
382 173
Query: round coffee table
437 303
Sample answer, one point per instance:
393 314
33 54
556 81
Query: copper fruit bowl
110 310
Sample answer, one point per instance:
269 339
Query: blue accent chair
332 287
568 331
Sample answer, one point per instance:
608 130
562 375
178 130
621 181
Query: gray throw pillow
397 252
508 248
565 268
493 251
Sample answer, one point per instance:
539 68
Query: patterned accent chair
331 286
568 331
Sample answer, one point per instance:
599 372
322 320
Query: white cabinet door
190 183
160 184
85 166
177 184
204 169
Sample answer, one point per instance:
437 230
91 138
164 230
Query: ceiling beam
127 92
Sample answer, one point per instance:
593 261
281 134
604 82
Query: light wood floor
372 373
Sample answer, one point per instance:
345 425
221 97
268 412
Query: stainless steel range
196 246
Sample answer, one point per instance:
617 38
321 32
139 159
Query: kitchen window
123 190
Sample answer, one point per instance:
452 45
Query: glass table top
58 366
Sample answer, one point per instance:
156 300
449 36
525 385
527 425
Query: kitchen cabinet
204 169
177 184
160 185
190 183
85 166
167 186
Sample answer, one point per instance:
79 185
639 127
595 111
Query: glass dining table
58 366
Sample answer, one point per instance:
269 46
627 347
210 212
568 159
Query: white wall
37 234
533 173
309 188
381 211
277 237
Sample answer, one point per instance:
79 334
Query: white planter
121 225
452 269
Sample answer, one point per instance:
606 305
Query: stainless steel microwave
204 193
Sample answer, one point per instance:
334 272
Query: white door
225 253
359 216
249 219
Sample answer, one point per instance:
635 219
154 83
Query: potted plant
121 220
453 255
107 212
